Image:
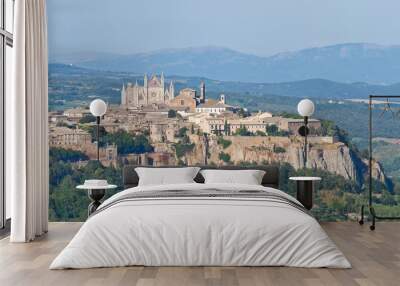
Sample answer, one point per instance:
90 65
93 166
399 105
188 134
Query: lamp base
95 196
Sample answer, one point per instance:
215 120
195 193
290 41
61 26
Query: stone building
75 114
292 125
216 125
162 159
64 137
188 92
150 159
186 100
125 119
252 125
56 117
215 106
227 125
152 91
163 131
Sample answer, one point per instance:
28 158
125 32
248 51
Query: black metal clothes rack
372 212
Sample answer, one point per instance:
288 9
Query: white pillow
166 176
248 177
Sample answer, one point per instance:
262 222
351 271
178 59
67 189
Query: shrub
182 132
260 133
182 148
242 131
171 113
64 124
278 149
273 130
290 115
225 143
224 157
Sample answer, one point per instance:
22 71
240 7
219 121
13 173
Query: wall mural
208 105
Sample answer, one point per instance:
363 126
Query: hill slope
312 88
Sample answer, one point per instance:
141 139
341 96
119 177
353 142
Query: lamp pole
305 140
98 138
98 108
305 108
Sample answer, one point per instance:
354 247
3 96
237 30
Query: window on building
6 43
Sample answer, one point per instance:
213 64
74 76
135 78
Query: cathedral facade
152 91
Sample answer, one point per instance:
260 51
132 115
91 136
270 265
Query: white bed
202 231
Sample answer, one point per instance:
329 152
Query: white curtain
27 126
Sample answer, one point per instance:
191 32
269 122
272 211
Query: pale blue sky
261 27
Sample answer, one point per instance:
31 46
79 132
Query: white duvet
200 231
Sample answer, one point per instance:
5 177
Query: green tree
67 155
272 130
89 118
127 143
65 202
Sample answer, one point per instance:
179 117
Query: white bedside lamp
305 108
98 108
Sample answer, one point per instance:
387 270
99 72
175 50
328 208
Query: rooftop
212 103
66 131
300 120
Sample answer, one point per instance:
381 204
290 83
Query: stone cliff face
377 171
335 158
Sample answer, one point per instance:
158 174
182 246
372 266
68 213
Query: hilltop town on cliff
189 128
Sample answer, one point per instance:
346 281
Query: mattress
201 225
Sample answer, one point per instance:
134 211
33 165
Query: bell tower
146 91
162 81
222 98
171 90
123 95
202 92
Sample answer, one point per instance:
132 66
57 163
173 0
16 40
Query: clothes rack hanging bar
371 208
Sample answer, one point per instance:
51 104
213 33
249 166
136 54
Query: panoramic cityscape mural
189 83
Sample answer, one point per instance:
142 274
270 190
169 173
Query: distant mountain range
110 82
347 63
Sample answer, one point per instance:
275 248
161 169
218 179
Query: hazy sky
261 27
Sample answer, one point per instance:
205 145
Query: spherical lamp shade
306 107
98 107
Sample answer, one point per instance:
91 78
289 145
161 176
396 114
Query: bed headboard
130 178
